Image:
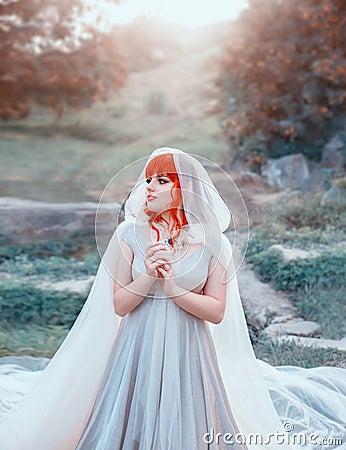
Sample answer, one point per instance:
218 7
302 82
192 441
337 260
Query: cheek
165 197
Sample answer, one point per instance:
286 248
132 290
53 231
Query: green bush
328 270
54 267
24 304
76 246
316 285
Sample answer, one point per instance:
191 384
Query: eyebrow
160 175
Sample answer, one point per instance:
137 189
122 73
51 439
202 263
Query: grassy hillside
74 157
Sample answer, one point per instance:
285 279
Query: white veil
209 217
49 408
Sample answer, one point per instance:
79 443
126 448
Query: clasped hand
158 265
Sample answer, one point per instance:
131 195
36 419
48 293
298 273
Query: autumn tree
50 56
283 77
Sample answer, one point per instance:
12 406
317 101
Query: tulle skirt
162 388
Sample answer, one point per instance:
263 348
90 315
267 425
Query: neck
165 222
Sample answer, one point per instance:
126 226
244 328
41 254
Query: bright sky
191 13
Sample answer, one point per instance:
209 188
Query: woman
160 357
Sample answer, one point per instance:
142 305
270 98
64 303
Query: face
159 196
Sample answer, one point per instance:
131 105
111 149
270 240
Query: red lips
150 197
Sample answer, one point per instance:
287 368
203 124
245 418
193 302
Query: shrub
24 304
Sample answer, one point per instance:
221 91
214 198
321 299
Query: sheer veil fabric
48 407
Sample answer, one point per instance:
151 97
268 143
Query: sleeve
126 236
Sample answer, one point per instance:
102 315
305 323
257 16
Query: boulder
289 171
296 327
289 254
81 287
334 196
331 154
261 301
25 221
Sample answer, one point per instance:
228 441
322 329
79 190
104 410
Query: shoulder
125 232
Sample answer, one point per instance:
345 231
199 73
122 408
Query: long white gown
162 388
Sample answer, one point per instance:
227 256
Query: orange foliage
285 70
47 64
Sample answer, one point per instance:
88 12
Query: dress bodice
190 270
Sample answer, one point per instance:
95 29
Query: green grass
77 245
70 169
74 157
34 321
54 268
315 284
306 212
325 306
290 353
34 340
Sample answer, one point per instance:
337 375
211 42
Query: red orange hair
164 164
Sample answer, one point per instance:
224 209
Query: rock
262 302
297 327
24 221
282 319
287 172
334 196
289 254
319 179
81 287
331 154
246 176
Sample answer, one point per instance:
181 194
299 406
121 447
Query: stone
289 254
261 301
334 196
295 327
25 221
290 171
81 287
331 154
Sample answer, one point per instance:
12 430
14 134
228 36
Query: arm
128 293
211 304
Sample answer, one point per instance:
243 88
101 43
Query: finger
153 266
153 246
158 263
151 253
159 257
162 272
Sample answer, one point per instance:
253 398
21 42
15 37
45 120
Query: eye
163 181
148 180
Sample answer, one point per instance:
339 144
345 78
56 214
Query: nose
149 188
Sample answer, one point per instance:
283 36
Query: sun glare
191 13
